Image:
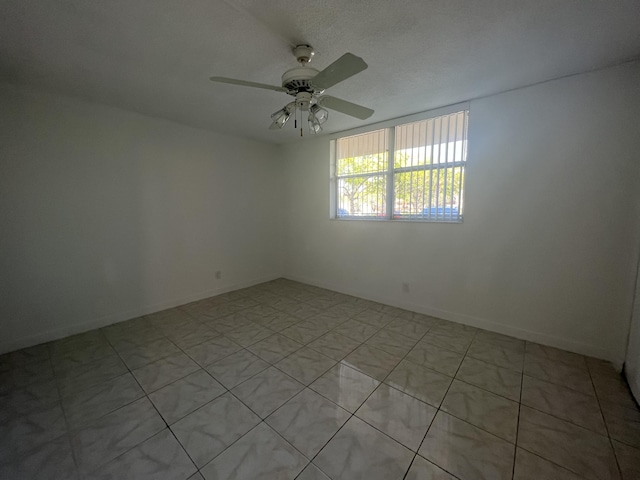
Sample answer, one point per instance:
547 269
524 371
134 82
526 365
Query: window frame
391 171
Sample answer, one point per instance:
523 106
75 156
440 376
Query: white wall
106 214
549 243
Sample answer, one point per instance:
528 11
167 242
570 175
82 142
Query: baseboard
532 336
57 333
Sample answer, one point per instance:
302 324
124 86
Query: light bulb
281 116
320 113
314 125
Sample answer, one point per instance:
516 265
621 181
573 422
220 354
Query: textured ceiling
155 56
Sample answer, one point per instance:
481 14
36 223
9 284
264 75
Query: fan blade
244 83
343 106
346 66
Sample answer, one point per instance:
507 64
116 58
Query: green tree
365 187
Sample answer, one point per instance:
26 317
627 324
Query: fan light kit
307 85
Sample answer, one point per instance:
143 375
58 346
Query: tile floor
284 380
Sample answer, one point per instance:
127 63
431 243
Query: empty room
319 240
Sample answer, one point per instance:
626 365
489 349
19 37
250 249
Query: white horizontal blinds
428 169
361 175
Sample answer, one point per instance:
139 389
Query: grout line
64 413
439 408
515 451
595 390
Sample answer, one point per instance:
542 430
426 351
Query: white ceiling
155 56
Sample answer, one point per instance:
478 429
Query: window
424 182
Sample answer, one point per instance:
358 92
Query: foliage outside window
424 182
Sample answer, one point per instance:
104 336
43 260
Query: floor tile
372 361
375 318
493 413
301 310
90 374
322 302
275 348
359 451
311 472
532 467
267 390
443 327
158 458
411 329
37 353
136 356
391 342
355 330
628 460
614 392
24 375
498 380
501 356
261 453
575 448
165 371
249 334
127 337
127 328
345 386
327 321
92 403
166 316
236 368
75 401
30 399
435 358
420 382
305 365
279 321
185 395
18 434
623 423
422 469
454 341
552 371
50 461
112 435
308 421
564 403
259 313
467 451
208 431
334 345
229 322
304 332
556 355
499 340
193 336
81 348
345 310
212 350
402 417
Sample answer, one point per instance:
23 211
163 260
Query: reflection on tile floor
285 380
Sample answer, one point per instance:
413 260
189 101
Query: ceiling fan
307 85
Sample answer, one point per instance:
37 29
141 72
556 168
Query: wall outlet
405 287
218 274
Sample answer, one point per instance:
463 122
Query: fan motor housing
298 80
